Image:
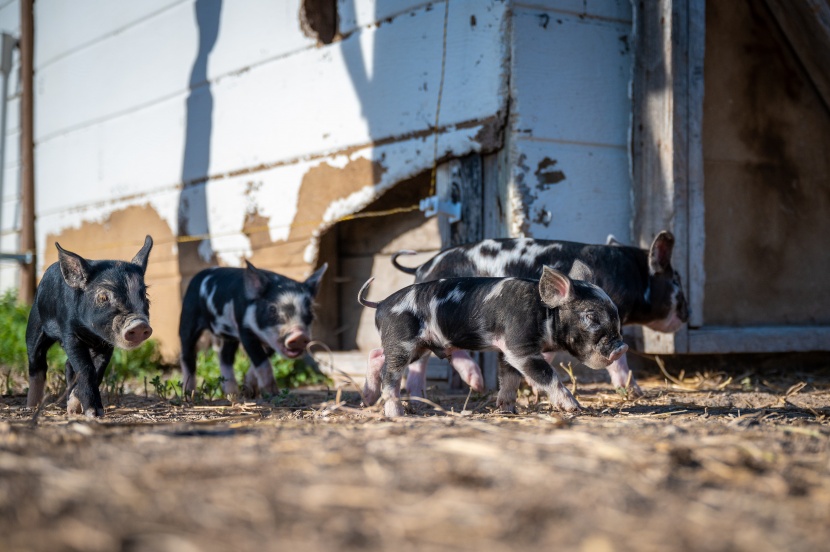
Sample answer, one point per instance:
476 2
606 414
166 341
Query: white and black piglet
642 283
518 317
263 310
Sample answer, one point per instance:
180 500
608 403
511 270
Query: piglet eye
272 309
103 297
589 319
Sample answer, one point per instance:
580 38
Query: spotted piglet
519 318
263 310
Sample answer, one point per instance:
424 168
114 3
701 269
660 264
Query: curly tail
402 268
361 295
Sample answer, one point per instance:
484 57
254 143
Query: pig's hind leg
417 378
374 374
398 356
189 333
467 368
37 344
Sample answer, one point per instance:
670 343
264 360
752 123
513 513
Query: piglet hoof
269 390
477 383
633 391
230 388
393 409
370 396
249 389
94 413
563 400
73 405
506 406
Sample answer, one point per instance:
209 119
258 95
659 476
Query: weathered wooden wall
230 121
765 137
570 68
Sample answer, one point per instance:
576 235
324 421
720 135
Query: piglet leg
509 382
621 377
469 371
261 377
536 369
417 378
374 372
397 357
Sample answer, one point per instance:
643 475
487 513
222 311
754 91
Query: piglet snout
296 342
618 352
137 332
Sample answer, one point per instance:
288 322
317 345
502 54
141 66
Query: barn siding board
569 121
668 91
65 27
570 77
10 17
619 10
770 339
591 200
354 14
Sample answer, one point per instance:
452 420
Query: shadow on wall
193 207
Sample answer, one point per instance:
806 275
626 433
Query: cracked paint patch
546 175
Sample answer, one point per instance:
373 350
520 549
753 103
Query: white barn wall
112 122
570 115
10 199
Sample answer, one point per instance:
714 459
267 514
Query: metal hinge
432 206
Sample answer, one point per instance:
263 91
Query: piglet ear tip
666 236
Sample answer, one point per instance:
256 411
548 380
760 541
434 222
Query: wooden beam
806 24
768 339
460 180
27 151
667 157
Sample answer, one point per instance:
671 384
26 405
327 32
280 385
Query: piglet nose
297 341
618 352
138 332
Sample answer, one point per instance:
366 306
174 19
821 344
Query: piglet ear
75 269
313 281
255 281
141 257
659 256
581 271
555 287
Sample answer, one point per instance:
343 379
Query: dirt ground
706 463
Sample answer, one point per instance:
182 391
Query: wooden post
667 158
27 150
460 180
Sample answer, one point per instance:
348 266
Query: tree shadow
193 206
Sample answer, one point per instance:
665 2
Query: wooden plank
460 180
806 24
666 142
697 219
767 339
495 173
